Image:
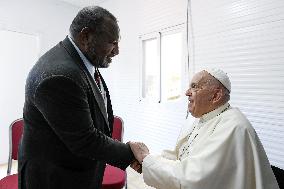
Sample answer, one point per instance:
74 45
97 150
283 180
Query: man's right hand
139 150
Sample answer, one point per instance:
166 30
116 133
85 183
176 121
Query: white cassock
220 151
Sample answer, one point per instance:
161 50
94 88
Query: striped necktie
98 79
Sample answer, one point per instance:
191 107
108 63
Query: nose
115 50
188 92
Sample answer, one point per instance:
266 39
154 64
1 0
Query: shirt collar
214 113
87 63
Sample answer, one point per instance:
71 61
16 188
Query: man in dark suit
68 115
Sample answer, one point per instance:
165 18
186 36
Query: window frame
184 70
142 71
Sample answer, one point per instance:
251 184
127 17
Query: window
162 65
151 67
171 64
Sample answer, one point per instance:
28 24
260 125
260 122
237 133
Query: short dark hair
92 17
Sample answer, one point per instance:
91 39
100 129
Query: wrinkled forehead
200 77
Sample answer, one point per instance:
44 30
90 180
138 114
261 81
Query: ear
218 93
84 33
82 39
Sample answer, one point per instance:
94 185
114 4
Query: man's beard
101 62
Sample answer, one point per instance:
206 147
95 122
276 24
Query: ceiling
83 3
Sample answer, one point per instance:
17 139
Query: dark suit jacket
67 131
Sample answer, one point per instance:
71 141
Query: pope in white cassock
221 150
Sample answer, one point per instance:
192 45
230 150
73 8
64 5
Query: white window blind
246 39
158 14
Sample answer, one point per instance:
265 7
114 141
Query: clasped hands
140 151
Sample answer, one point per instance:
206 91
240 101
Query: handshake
140 151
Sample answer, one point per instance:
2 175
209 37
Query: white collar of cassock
214 113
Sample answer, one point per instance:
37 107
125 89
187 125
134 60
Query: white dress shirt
91 69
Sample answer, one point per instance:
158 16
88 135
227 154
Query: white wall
158 125
244 37
46 18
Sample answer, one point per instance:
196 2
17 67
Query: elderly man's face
102 46
199 95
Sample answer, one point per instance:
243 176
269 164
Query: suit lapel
109 106
68 46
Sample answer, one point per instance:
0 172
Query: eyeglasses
194 87
198 86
